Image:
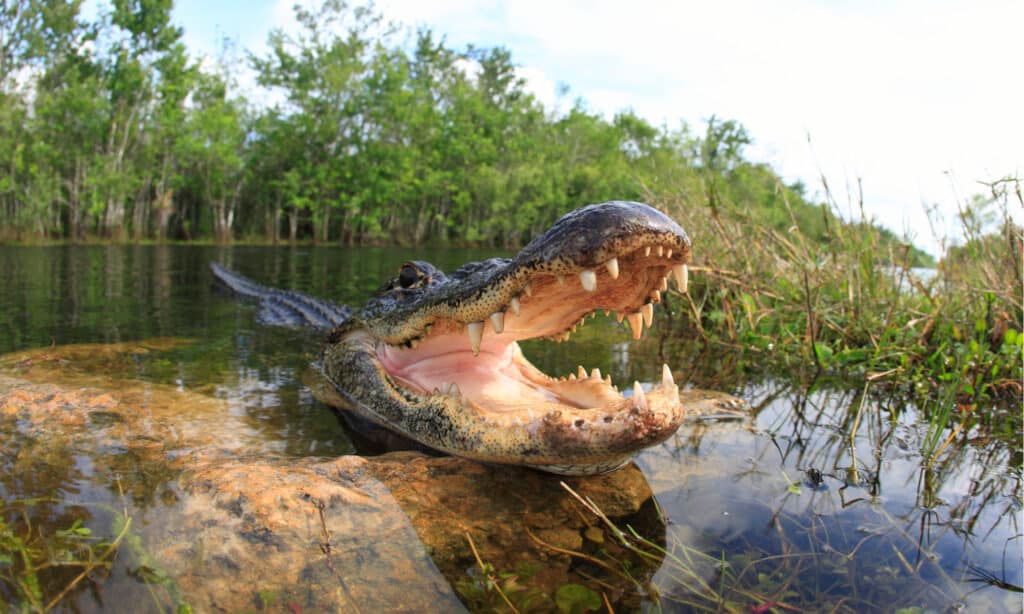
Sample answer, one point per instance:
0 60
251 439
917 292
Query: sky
916 102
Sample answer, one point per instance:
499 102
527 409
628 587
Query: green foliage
374 138
850 303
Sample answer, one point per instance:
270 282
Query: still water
814 499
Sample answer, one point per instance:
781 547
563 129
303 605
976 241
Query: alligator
435 358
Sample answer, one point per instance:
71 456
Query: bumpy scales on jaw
435 357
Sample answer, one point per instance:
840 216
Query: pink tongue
490 379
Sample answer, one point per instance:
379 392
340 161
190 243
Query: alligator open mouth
436 357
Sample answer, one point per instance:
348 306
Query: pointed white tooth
572 377
647 251
664 284
613 267
588 277
573 329
656 296
660 251
668 254
514 303
581 372
639 398
618 316
666 378
528 289
560 278
498 321
596 373
647 311
636 324
454 390
608 379
682 275
476 335
607 313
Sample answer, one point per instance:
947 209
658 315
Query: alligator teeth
618 316
647 311
613 267
668 254
581 372
596 373
528 289
476 335
682 275
661 251
666 377
639 398
669 384
514 303
647 251
636 324
608 379
498 321
664 284
656 296
572 377
560 278
588 278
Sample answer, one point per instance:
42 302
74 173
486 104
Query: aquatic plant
38 570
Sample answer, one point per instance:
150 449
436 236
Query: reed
852 304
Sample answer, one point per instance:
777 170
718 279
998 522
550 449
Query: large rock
234 530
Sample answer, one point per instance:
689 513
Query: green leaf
823 352
576 599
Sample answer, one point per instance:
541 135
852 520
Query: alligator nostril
609 418
579 423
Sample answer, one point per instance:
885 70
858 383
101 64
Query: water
783 506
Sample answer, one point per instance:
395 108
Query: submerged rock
232 527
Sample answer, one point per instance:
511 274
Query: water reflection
825 501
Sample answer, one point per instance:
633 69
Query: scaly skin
435 357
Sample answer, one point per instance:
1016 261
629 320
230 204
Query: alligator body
435 357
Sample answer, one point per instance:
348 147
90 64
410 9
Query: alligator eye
408 276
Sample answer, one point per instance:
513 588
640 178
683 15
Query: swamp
855 439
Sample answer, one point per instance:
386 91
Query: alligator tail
283 307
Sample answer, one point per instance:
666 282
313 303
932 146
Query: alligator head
435 357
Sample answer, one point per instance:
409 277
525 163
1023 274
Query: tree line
373 134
